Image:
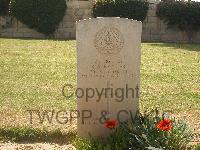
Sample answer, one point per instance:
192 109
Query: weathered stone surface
67 18
152 19
146 37
155 37
108 52
79 4
6 34
152 12
154 27
68 24
26 30
16 34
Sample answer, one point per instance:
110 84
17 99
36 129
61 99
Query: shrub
183 15
42 15
136 9
148 131
4 7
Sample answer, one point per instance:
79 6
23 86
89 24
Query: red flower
111 124
165 125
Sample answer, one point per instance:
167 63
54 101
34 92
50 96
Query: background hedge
182 15
42 15
4 7
132 9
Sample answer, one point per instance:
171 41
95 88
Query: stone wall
153 28
76 10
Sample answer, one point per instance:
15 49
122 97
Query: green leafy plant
42 15
182 15
197 147
132 9
4 7
148 131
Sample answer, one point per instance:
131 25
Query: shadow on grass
189 47
33 135
48 39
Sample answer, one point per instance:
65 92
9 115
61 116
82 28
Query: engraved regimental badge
109 40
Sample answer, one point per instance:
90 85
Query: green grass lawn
33 72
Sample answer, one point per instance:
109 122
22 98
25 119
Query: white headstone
108 72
